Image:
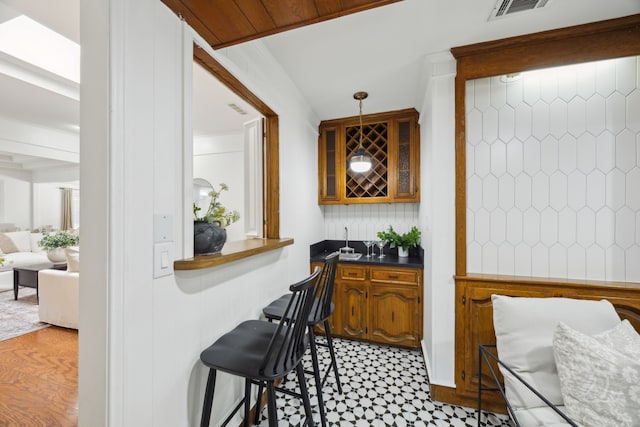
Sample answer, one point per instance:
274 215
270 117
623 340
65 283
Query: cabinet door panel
394 315
406 156
479 330
353 309
329 155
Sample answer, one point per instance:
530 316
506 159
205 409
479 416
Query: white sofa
59 294
28 253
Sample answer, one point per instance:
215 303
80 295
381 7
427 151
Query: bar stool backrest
288 344
321 309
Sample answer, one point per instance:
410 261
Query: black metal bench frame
484 354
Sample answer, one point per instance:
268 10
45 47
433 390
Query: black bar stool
261 352
320 312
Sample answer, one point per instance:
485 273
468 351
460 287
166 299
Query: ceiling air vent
508 7
237 109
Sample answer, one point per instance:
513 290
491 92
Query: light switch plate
162 259
162 228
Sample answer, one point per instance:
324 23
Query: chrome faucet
346 247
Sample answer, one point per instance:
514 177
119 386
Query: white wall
553 173
437 217
140 338
15 199
220 159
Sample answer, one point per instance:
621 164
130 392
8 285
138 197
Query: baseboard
425 356
449 395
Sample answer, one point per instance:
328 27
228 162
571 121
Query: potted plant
209 229
55 243
410 239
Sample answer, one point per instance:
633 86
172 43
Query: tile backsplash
364 221
553 173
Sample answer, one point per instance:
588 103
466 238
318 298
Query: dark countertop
319 250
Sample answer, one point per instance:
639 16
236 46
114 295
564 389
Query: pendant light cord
361 132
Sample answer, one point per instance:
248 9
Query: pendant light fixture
361 161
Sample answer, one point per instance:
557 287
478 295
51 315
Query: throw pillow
6 244
73 259
623 338
600 385
20 239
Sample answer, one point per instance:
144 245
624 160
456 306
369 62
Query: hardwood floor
39 379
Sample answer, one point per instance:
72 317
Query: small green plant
59 239
216 213
405 241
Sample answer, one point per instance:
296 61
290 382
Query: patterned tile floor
382 386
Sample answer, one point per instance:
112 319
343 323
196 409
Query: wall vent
508 7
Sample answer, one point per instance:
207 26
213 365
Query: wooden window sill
232 251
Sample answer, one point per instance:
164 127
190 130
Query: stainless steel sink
351 256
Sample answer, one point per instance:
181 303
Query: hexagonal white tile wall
554 188
577 116
498 93
633 111
586 147
506 192
498 226
596 118
498 158
506 258
558 261
558 190
549 155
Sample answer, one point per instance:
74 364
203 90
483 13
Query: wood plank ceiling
227 22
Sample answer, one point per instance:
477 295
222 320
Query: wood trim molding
370 118
589 42
232 251
271 173
532 280
272 178
448 394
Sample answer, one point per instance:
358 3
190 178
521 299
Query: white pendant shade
360 162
